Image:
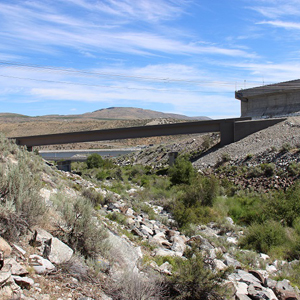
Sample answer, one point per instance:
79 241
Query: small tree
182 172
94 161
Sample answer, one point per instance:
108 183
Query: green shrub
80 230
95 197
225 157
194 280
21 205
268 169
102 175
285 206
293 169
193 202
201 192
94 161
207 141
182 171
249 156
254 172
286 147
117 217
246 209
262 237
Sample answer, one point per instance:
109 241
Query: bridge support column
64 165
227 133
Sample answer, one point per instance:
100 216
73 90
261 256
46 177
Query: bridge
231 130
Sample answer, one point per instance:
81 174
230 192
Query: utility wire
107 86
82 72
270 87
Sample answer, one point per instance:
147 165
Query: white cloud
286 25
146 10
20 26
269 72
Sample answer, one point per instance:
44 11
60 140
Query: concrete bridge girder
231 130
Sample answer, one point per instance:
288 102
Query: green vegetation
193 279
21 205
79 229
270 219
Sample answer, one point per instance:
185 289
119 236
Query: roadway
81 155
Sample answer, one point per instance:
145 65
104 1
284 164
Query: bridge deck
227 128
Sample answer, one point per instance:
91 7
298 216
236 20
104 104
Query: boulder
258 275
230 261
165 252
241 288
179 243
284 285
125 255
40 264
4 277
286 295
166 268
242 297
5 247
219 265
248 278
23 282
159 239
9 289
258 292
15 267
146 230
51 247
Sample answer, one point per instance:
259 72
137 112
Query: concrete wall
269 101
271 105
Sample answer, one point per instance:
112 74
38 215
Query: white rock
219 265
271 269
19 249
241 288
129 212
159 239
59 251
232 240
264 256
229 220
5 247
146 229
165 252
40 264
166 268
16 268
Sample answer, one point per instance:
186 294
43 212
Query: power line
107 86
134 77
82 72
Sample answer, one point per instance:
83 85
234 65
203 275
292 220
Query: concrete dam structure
280 99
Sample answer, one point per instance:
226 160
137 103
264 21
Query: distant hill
131 113
111 113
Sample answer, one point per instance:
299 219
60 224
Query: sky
177 56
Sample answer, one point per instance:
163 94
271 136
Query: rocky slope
34 270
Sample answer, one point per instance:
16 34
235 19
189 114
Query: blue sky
179 56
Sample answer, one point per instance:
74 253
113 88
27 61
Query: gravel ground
285 132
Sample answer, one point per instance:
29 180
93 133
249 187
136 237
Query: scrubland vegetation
270 220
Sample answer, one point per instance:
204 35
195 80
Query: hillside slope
135 113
